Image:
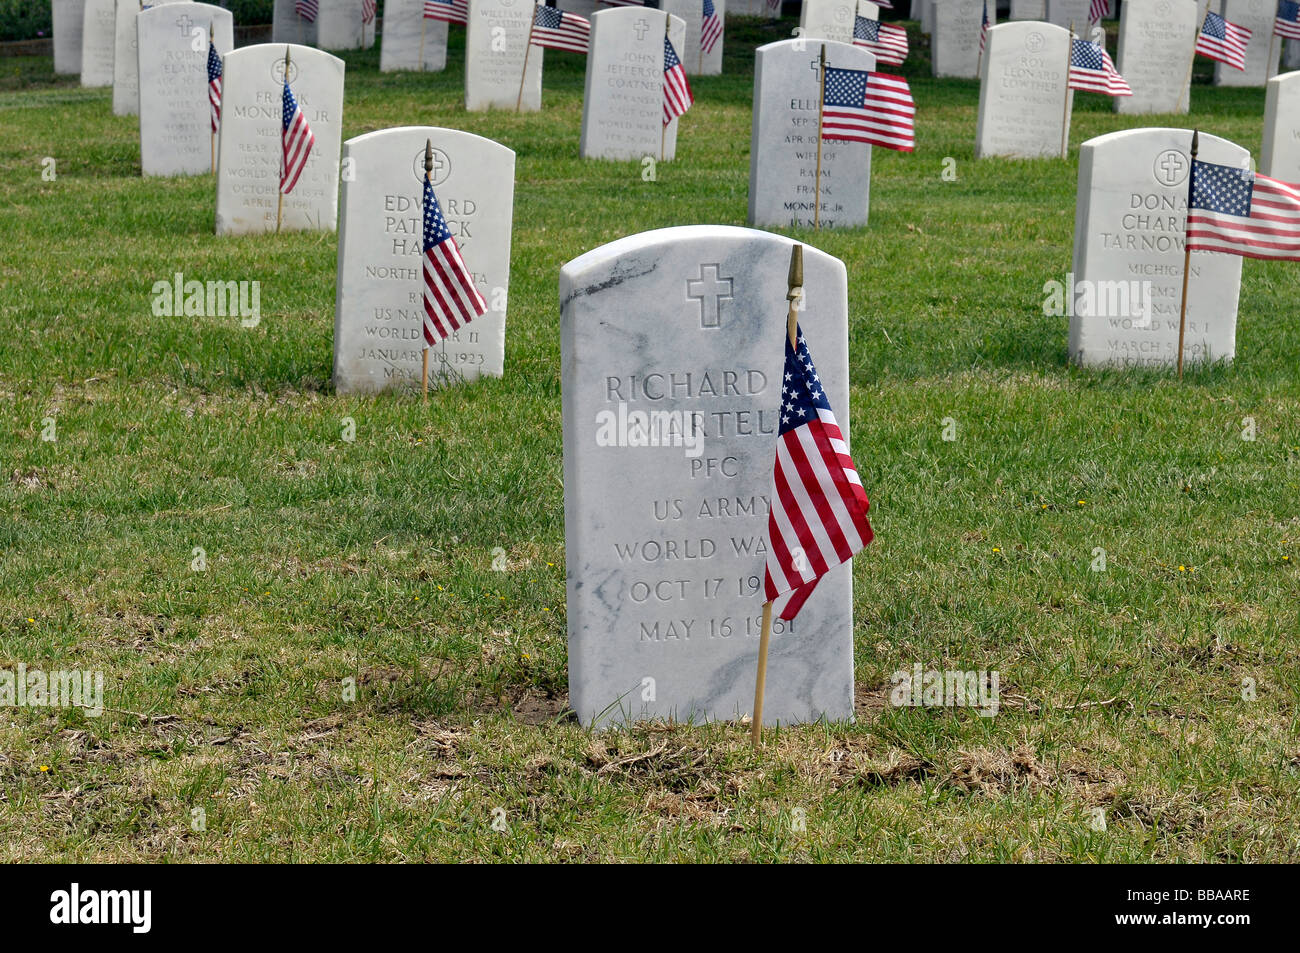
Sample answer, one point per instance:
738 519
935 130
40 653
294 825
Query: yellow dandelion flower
45 767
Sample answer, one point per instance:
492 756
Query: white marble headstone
692 13
338 25
288 26
68 21
783 141
1280 155
1025 100
378 317
1156 38
496 49
622 106
1066 12
249 155
832 19
1129 223
1028 10
955 47
175 128
1291 54
409 40
1256 16
98 39
665 550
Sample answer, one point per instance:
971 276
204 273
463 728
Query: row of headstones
1156 39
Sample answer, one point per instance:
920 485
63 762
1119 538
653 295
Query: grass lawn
232 733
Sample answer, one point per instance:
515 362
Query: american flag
449 11
1092 69
307 9
296 138
884 4
984 26
889 43
677 91
1223 41
858 106
1097 10
1239 212
558 30
451 299
367 11
214 85
818 518
1287 23
710 27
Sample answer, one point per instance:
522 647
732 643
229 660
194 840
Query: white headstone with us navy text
250 153
1129 224
378 316
672 353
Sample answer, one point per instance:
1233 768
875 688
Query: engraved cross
186 25
710 290
641 26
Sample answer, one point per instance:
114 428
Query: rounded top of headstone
272 54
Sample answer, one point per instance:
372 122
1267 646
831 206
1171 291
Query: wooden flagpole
1270 65
423 23
279 208
794 291
1187 257
663 130
519 102
1065 105
1191 65
424 369
223 84
821 112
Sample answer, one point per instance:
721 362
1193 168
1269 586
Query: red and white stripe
710 28
296 141
455 12
1231 49
450 299
367 11
818 518
887 116
573 32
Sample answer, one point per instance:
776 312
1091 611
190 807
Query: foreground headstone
496 47
410 41
783 143
175 124
1128 251
692 13
682 330
622 106
1156 38
1256 16
68 21
1280 155
832 19
1063 13
955 48
378 318
250 151
288 26
98 42
1025 101
339 26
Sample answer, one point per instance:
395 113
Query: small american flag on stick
677 91
710 27
861 106
296 138
214 84
307 9
1097 10
451 299
367 11
1287 23
984 27
558 30
818 518
1239 212
448 11
1092 69
1223 41
887 42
